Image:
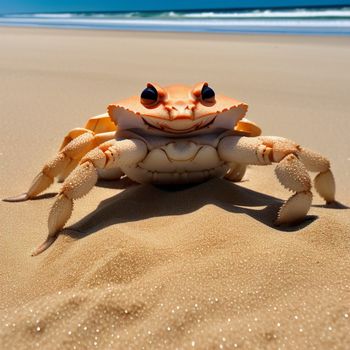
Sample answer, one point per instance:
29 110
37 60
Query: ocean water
323 21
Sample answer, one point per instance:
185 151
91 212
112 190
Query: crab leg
324 182
293 163
64 162
236 172
98 139
108 155
293 175
63 174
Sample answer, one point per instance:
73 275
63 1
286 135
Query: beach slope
203 267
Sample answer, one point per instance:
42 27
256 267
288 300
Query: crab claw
20 198
43 246
295 209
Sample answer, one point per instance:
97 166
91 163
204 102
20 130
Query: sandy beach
202 267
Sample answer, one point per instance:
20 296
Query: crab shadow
334 205
138 202
123 183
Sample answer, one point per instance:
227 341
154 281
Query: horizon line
187 10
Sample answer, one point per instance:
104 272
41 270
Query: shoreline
283 31
240 37
243 32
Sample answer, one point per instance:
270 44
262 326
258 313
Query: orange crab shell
176 97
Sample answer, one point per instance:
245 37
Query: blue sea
320 21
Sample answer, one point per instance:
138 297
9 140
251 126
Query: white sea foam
325 20
53 15
194 23
273 14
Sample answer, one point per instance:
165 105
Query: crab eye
149 96
207 93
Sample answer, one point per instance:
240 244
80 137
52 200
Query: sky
24 6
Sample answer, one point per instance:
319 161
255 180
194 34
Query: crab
176 135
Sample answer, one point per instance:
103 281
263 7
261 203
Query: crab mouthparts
167 128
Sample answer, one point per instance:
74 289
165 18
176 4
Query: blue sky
13 6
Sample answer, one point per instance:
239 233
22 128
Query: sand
200 267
